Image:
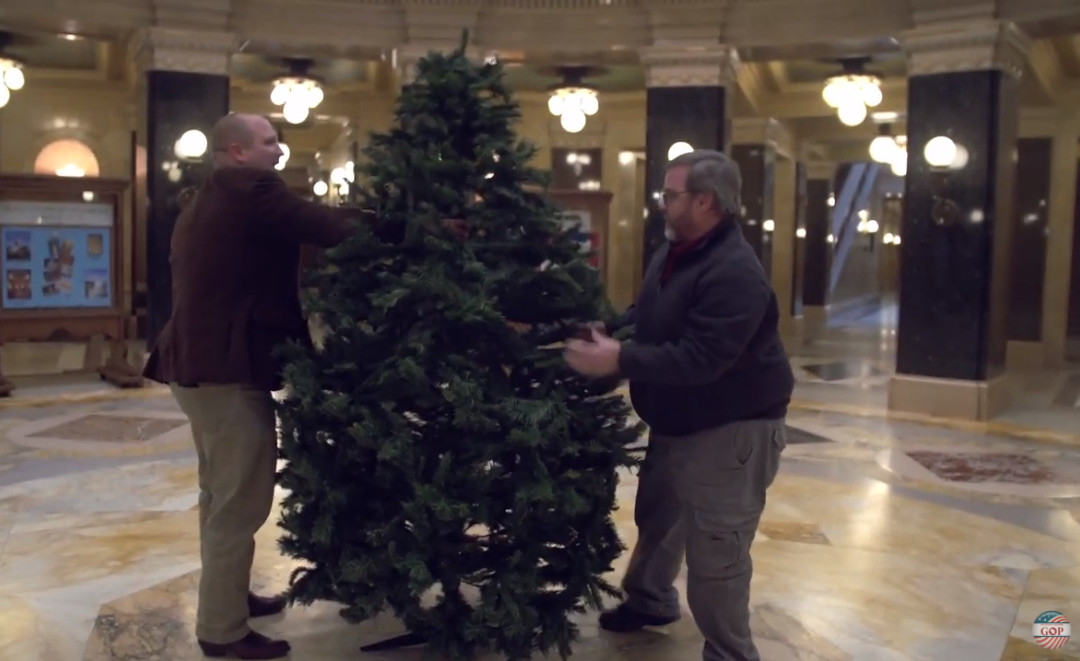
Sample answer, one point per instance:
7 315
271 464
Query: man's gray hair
713 172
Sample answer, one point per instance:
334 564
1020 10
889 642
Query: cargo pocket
716 547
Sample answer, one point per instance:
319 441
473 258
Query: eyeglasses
668 196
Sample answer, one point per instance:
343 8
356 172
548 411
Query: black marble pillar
954 267
694 115
176 103
799 252
757 164
816 249
1029 220
1073 326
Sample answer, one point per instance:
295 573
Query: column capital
825 170
968 45
190 51
674 65
764 131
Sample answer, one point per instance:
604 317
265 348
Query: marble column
687 100
766 153
1062 257
816 249
954 268
1028 226
757 163
186 84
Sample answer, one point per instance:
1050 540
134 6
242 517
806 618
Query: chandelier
572 105
11 78
852 92
573 101
297 96
298 92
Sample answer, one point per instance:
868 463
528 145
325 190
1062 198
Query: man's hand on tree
585 331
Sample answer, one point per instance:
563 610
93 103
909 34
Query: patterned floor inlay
793 531
985 467
110 428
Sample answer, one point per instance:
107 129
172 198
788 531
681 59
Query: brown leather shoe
263 606
252 646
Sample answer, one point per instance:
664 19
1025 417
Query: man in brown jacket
234 258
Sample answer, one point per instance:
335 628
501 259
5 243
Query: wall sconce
944 156
942 153
191 146
285 153
678 149
578 161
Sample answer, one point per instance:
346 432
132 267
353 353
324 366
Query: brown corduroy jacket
234 259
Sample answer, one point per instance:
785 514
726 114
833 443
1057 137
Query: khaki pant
236 440
702 495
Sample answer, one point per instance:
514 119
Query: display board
589 209
56 255
62 268
585 235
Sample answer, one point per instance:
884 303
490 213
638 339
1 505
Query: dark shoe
252 646
625 619
263 606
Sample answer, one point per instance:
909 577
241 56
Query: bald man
234 258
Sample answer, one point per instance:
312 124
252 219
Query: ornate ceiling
787 47
366 27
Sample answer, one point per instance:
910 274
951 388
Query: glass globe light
572 121
314 95
840 91
14 78
295 111
852 113
555 104
940 152
590 105
870 93
882 148
192 144
678 149
285 153
280 94
899 163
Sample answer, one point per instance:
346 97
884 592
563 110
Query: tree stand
397 642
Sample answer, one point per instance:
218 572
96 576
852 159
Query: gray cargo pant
703 495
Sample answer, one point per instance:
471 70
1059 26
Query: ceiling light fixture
298 93
573 101
853 92
11 78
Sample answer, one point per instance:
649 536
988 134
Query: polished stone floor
882 540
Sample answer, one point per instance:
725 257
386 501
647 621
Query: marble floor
883 540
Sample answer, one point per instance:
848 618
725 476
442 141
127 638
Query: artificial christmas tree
440 458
